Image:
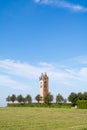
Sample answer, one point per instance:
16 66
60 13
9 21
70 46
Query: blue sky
42 36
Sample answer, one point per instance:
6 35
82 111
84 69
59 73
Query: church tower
43 83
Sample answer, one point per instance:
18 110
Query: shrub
82 104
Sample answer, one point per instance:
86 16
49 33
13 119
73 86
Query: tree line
72 98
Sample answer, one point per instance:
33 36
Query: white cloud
63 4
83 72
18 69
6 81
81 60
46 65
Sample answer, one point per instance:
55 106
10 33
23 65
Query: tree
59 98
48 99
24 100
65 101
38 98
13 98
73 97
8 99
80 96
28 98
85 96
20 98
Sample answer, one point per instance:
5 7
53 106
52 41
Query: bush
51 105
82 104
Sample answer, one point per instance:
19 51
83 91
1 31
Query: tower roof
43 76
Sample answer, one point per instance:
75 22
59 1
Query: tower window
45 82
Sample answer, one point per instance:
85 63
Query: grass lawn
16 118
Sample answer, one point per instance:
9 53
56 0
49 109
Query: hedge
53 105
82 104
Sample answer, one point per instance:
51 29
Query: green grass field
42 119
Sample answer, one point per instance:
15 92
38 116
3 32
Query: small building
44 86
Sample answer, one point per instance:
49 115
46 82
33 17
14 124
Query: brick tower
43 83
